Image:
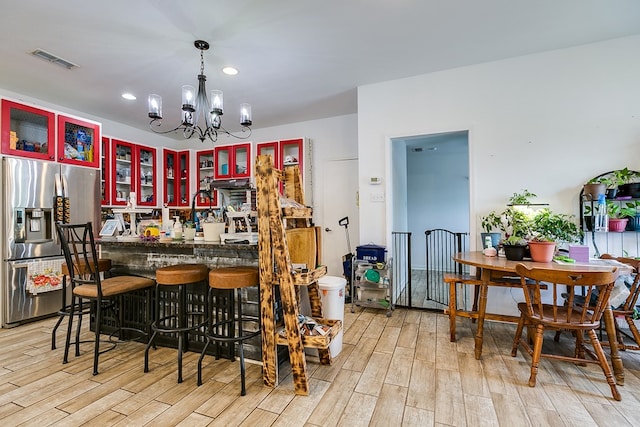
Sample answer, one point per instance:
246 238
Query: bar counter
143 258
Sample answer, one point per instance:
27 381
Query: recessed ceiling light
129 96
230 71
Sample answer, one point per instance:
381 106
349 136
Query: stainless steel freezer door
20 304
82 186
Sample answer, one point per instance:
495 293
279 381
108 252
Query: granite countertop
176 244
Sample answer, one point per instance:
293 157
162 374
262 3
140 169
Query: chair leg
67 343
453 304
535 357
243 389
152 327
96 349
606 369
79 327
516 339
634 332
55 329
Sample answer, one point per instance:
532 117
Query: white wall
545 122
569 113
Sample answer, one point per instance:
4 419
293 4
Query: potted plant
619 216
628 186
490 223
634 221
515 248
593 188
549 229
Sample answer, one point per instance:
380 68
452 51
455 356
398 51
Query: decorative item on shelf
627 182
196 105
634 221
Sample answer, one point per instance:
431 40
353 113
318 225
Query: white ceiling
298 59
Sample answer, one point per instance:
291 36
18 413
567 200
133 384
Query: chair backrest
566 310
79 249
634 290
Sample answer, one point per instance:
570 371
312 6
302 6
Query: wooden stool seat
233 277
181 274
228 327
177 319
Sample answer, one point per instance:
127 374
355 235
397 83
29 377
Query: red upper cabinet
78 141
27 131
105 171
176 177
269 148
145 160
232 161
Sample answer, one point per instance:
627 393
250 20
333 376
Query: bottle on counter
176 232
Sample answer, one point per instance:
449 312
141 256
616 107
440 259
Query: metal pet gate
440 246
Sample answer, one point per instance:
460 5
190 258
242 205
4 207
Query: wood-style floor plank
401 370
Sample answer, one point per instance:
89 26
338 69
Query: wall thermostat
375 180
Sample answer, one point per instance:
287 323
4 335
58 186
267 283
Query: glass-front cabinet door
269 148
122 174
105 157
27 131
145 159
78 141
291 152
176 177
204 174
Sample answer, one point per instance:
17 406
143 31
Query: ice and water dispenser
33 225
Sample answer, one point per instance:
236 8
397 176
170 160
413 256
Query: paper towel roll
132 199
166 219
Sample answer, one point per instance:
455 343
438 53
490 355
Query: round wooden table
491 268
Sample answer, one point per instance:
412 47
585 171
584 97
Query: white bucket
332 297
212 231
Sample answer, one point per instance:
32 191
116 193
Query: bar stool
104 265
178 321
229 328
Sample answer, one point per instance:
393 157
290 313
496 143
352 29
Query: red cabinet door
123 175
272 148
205 174
145 160
291 153
79 142
105 182
183 195
169 162
27 131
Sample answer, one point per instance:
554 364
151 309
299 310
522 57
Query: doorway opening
430 190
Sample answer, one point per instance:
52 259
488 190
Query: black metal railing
401 250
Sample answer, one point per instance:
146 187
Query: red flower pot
617 224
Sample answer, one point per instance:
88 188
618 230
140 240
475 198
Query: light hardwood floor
392 371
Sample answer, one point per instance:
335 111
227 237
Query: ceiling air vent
49 57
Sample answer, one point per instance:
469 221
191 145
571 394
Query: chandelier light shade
195 106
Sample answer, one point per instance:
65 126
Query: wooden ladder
276 270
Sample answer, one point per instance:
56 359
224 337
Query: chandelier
196 105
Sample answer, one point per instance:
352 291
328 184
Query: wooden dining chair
81 258
627 309
564 314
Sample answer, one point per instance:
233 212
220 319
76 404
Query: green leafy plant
515 241
614 210
548 226
523 198
491 222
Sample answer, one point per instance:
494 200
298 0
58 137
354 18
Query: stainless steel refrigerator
34 195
